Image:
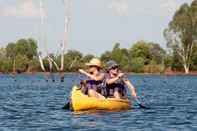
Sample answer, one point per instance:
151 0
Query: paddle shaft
140 104
67 106
136 99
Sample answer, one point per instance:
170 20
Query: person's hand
134 95
82 71
120 75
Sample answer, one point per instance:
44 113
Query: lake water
28 102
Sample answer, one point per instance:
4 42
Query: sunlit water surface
28 102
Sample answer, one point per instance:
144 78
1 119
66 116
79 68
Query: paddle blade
141 105
67 106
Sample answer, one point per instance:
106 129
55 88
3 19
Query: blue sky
95 25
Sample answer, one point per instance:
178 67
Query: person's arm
96 78
112 80
131 88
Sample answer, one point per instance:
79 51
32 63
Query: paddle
141 105
67 106
136 99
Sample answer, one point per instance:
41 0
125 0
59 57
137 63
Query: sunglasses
115 67
94 67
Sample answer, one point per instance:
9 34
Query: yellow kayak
81 102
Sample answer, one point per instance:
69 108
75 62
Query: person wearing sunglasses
116 83
95 79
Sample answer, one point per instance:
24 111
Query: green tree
5 65
23 49
141 49
157 53
11 54
11 50
73 60
168 60
121 56
181 33
176 62
87 58
32 48
137 64
2 53
106 56
34 65
26 47
194 59
22 63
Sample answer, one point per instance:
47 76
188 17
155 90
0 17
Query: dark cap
110 64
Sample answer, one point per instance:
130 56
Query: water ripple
30 103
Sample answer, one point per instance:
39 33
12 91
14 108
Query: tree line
141 57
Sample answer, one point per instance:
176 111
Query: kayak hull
81 102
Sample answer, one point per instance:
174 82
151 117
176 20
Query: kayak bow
82 102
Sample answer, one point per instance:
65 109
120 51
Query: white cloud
24 8
170 6
119 7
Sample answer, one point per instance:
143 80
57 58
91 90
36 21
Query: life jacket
118 85
98 86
